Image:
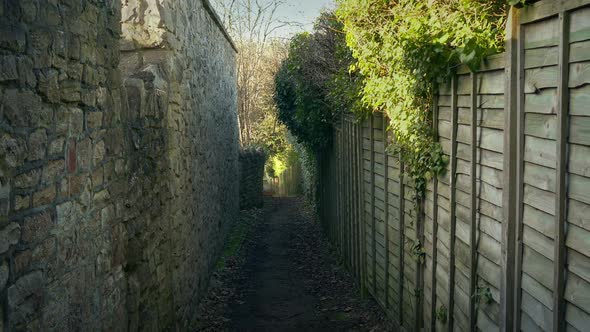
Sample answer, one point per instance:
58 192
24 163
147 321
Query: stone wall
251 178
181 84
118 164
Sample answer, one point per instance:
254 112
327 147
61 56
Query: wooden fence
502 239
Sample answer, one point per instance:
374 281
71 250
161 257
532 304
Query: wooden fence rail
501 241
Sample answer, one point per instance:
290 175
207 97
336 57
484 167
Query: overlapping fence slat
500 241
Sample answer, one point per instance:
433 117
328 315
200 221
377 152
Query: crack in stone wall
118 161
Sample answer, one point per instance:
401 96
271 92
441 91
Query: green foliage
313 85
418 253
483 295
404 50
442 314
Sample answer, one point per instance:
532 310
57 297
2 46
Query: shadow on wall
117 169
252 163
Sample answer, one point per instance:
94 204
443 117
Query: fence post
561 169
453 201
402 227
474 226
386 207
508 287
363 222
373 223
433 297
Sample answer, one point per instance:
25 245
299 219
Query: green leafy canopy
404 49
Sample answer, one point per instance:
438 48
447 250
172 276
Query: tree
314 85
252 24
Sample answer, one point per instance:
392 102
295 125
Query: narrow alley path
288 280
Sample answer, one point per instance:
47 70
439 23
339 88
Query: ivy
483 295
404 49
442 314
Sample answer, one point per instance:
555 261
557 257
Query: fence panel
500 241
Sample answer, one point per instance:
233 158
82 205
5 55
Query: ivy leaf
467 58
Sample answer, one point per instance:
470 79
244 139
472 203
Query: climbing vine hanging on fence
404 49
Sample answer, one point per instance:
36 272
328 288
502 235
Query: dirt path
288 280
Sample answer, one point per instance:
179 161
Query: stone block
49 84
12 150
28 10
68 214
60 44
8 71
94 120
56 147
26 75
44 196
25 297
22 202
4 274
19 107
74 71
98 177
101 198
42 118
9 236
13 39
4 199
87 54
37 227
99 152
42 256
71 91
40 41
84 153
54 171
69 121
73 46
37 145
27 180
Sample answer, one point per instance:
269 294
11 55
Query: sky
301 11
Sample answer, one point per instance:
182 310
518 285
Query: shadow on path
291 282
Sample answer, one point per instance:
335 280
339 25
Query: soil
285 277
